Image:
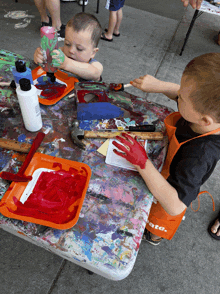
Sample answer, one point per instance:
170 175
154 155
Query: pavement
150 43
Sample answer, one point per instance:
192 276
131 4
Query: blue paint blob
87 246
105 229
99 110
4 159
85 125
21 138
58 233
117 236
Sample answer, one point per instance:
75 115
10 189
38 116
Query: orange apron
159 221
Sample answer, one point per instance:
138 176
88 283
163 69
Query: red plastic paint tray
62 77
72 189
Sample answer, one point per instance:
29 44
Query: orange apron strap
213 202
161 223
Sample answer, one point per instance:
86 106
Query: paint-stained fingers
129 137
58 57
122 148
119 153
132 139
55 53
124 140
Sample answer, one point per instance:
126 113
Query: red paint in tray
57 197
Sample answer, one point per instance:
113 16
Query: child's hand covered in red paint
132 150
58 57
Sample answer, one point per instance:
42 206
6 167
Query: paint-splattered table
108 234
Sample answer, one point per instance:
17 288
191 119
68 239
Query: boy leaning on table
194 144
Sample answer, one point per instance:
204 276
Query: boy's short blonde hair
83 21
204 70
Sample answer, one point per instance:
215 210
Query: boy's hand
147 83
39 57
132 150
58 58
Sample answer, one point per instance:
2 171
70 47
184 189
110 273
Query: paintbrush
118 87
20 177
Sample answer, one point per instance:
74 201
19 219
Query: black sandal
103 37
213 235
116 35
147 237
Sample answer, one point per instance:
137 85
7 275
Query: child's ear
207 120
95 50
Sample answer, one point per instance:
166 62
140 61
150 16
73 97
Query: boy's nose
72 51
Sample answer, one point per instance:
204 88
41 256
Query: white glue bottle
29 104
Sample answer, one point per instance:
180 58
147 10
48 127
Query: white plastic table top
108 234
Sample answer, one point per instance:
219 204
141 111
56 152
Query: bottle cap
20 66
51 76
25 84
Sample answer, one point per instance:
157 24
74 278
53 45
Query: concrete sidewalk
149 43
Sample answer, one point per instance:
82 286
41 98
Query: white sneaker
81 2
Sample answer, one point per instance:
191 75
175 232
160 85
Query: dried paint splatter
20 14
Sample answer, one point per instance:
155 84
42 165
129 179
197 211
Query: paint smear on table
50 90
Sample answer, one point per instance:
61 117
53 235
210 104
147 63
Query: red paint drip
57 164
53 197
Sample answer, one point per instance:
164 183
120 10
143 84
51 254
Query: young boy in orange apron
194 144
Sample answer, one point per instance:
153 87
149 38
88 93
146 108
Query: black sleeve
191 167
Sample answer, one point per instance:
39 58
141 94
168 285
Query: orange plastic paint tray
62 78
56 197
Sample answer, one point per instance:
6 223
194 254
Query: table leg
190 28
97 9
83 8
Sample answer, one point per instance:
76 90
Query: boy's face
79 46
185 105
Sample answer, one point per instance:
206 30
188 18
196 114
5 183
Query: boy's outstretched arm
84 70
158 186
151 84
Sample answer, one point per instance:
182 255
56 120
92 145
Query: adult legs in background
53 7
118 23
115 18
41 6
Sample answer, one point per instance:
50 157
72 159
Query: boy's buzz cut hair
204 70
83 21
